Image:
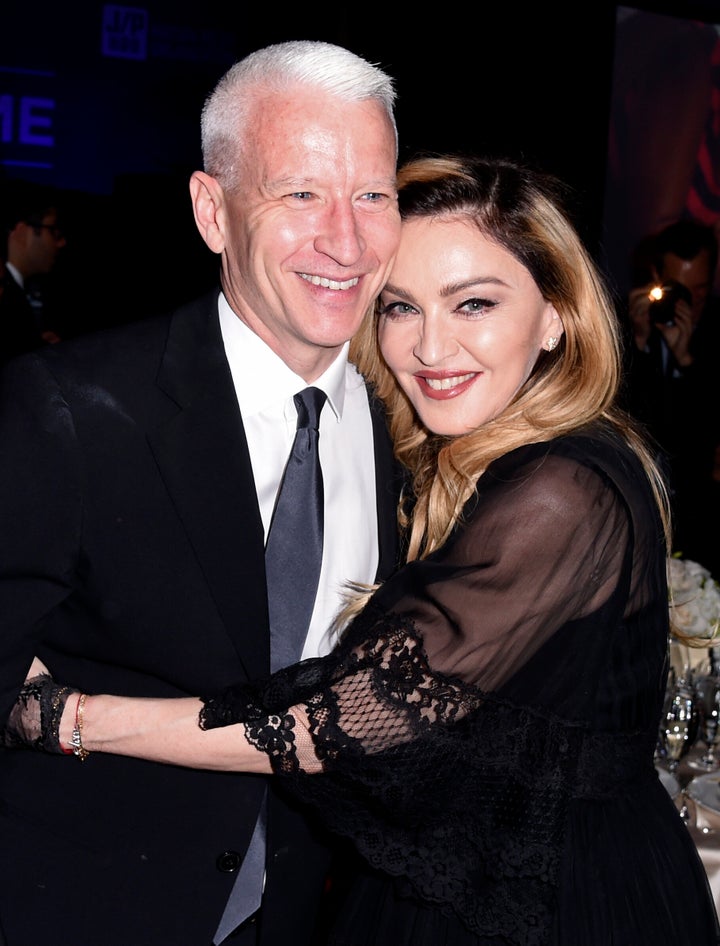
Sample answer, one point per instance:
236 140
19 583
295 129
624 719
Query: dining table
696 793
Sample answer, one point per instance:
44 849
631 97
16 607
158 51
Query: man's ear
208 201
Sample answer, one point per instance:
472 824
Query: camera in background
664 299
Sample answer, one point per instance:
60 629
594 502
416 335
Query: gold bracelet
76 742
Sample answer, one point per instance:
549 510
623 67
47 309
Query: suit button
228 862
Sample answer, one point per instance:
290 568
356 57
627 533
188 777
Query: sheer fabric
484 732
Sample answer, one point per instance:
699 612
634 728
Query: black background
531 81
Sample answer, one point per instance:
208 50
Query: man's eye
301 195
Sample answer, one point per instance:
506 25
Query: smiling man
140 469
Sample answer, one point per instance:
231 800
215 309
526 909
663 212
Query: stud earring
551 343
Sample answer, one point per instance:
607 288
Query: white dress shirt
15 273
265 388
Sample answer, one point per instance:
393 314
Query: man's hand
639 312
678 333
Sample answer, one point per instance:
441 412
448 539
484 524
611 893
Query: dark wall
124 122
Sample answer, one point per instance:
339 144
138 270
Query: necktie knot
309 403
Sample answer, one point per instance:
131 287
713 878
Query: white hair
324 66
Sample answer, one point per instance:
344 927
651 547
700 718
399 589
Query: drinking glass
707 693
680 725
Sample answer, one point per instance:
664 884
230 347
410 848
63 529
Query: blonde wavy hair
522 210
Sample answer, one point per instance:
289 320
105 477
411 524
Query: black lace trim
459 796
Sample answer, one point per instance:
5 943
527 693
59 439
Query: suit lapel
203 456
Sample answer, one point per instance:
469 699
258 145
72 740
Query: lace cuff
234 704
34 722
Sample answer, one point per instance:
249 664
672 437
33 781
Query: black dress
486 727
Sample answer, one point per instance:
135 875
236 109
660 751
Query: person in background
5 278
35 239
672 356
484 730
139 469
664 129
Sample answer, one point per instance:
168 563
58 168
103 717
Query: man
34 241
672 369
140 468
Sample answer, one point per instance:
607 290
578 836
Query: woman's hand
37 667
34 722
161 730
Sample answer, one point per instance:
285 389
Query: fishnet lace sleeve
459 796
437 776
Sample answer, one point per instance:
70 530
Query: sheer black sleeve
438 780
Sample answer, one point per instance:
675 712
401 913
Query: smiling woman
484 731
467 337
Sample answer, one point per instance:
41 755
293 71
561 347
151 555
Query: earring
551 343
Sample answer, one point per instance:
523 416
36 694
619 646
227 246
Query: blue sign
124 32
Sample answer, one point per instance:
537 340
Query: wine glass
707 692
679 725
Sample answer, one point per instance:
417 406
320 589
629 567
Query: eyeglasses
56 231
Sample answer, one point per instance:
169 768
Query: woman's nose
435 342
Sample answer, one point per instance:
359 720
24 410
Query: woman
484 732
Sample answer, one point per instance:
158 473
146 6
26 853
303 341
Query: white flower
694 598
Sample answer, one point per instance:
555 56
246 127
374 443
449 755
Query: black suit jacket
19 328
131 561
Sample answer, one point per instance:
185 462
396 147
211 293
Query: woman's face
461 324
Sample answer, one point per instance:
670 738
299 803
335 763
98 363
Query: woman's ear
208 201
554 330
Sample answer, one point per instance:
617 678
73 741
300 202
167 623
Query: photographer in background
671 381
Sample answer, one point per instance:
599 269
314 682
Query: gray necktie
293 555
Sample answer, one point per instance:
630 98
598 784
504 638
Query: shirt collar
15 273
262 378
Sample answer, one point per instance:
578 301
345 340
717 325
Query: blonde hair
575 384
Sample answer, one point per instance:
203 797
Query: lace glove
34 722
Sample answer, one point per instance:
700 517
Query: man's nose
340 236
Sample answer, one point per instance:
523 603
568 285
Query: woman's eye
475 306
397 310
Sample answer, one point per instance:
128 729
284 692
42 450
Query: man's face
696 274
311 232
34 246
44 243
